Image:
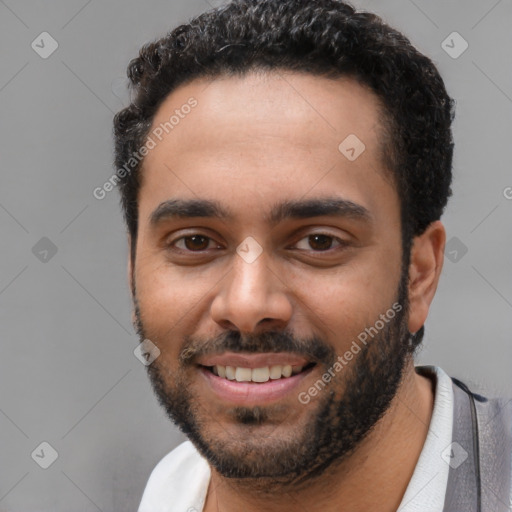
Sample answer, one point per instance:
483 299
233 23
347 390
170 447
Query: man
283 169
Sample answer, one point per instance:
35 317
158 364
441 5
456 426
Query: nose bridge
250 278
251 292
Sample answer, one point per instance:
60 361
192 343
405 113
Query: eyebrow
173 209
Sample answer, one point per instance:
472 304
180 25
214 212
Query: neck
383 463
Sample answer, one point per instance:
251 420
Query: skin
250 143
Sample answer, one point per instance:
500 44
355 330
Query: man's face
268 286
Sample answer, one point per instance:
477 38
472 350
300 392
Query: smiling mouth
257 375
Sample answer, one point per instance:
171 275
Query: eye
192 243
319 242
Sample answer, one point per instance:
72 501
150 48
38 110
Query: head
286 205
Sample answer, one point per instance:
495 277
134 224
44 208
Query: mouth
254 379
257 375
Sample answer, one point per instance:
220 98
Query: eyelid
303 234
172 243
341 242
299 235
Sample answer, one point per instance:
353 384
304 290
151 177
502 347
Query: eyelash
341 243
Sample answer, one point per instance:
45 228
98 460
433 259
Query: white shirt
179 482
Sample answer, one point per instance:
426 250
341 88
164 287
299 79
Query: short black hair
327 38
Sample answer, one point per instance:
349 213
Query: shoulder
178 482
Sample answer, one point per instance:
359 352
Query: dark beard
342 418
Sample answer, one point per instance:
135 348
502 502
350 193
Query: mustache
313 348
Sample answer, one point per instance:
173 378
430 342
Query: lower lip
253 392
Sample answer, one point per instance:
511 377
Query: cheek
341 303
170 300
366 284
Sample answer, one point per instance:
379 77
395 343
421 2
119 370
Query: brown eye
318 242
194 242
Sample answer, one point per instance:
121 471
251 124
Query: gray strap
495 428
461 493
494 447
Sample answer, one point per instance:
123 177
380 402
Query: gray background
68 375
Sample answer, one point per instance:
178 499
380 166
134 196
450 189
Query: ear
427 256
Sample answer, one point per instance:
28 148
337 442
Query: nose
252 294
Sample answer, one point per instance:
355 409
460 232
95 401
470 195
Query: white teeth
230 372
243 374
287 371
262 374
275 371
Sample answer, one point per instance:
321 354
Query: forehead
265 137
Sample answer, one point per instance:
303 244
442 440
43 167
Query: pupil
323 241
196 242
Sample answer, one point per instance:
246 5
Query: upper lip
253 360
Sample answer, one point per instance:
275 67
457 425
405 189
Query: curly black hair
327 38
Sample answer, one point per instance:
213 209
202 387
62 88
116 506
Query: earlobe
425 267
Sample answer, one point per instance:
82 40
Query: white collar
427 487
